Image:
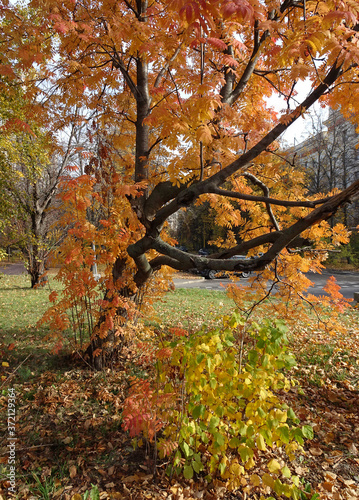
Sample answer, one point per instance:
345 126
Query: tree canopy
178 92
191 80
174 96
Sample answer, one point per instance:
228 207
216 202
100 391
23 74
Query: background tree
192 79
31 166
196 228
329 159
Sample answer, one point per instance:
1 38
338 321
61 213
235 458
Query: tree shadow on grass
27 362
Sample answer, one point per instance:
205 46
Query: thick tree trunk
104 350
36 276
35 266
35 253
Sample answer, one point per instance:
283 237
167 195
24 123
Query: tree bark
152 210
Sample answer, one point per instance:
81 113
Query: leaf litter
70 436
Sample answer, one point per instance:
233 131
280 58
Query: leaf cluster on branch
178 91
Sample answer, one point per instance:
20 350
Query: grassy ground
70 440
191 308
20 310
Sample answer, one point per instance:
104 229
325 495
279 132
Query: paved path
11 268
347 280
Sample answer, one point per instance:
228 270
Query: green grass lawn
191 308
20 306
20 309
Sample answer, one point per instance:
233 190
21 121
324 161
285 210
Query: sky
301 128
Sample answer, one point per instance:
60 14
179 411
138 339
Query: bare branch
266 199
118 63
189 195
265 189
167 65
288 4
130 7
249 70
279 240
201 160
324 212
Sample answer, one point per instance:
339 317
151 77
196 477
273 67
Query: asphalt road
12 268
347 280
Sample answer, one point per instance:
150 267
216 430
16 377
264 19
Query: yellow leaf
204 134
261 443
76 496
5 364
274 466
250 464
280 415
236 469
286 472
255 480
268 480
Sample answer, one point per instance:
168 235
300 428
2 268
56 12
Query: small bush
226 414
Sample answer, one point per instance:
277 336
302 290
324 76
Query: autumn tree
32 163
33 156
188 81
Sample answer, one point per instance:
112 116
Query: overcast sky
301 128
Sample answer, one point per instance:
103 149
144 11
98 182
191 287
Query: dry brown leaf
353 449
146 478
58 493
330 476
130 479
349 482
57 482
299 470
316 452
176 489
329 438
333 397
327 485
73 471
